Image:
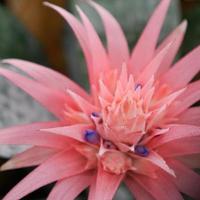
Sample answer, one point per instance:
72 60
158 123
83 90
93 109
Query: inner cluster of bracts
113 156
127 115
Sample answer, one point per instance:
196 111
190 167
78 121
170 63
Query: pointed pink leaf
148 97
145 167
160 188
190 116
156 116
123 78
62 165
154 65
117 48
167 100
180 147
190 96
51 99
104 91
31 157
157 160
146 46
71 187
175 132
30 134
187 67
186 180
31 127
82 103
74 131
47 76
99 60
149 85
92 190
80 33
106 184
35 138
138 192
176 36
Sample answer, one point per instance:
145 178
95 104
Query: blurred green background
30 31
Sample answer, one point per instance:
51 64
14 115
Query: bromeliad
136 125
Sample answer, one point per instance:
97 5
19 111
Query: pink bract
136 125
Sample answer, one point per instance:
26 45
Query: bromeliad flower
135 126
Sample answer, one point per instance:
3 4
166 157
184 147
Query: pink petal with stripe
152 68
189 97
175 132
80 33
190 116
117 49
106 184
30 134
62 165
157 160
52 100
186 180
177 37
188 67
138 192
100 59
159 188
145 48
47 76
71 187
31 157
168 99
180 147
92 190
83 104
75 131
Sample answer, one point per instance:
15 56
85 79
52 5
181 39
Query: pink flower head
135 126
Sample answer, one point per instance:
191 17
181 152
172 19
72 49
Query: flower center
112 159
116 162
122 122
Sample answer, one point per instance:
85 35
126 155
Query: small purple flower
141 150
92 136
